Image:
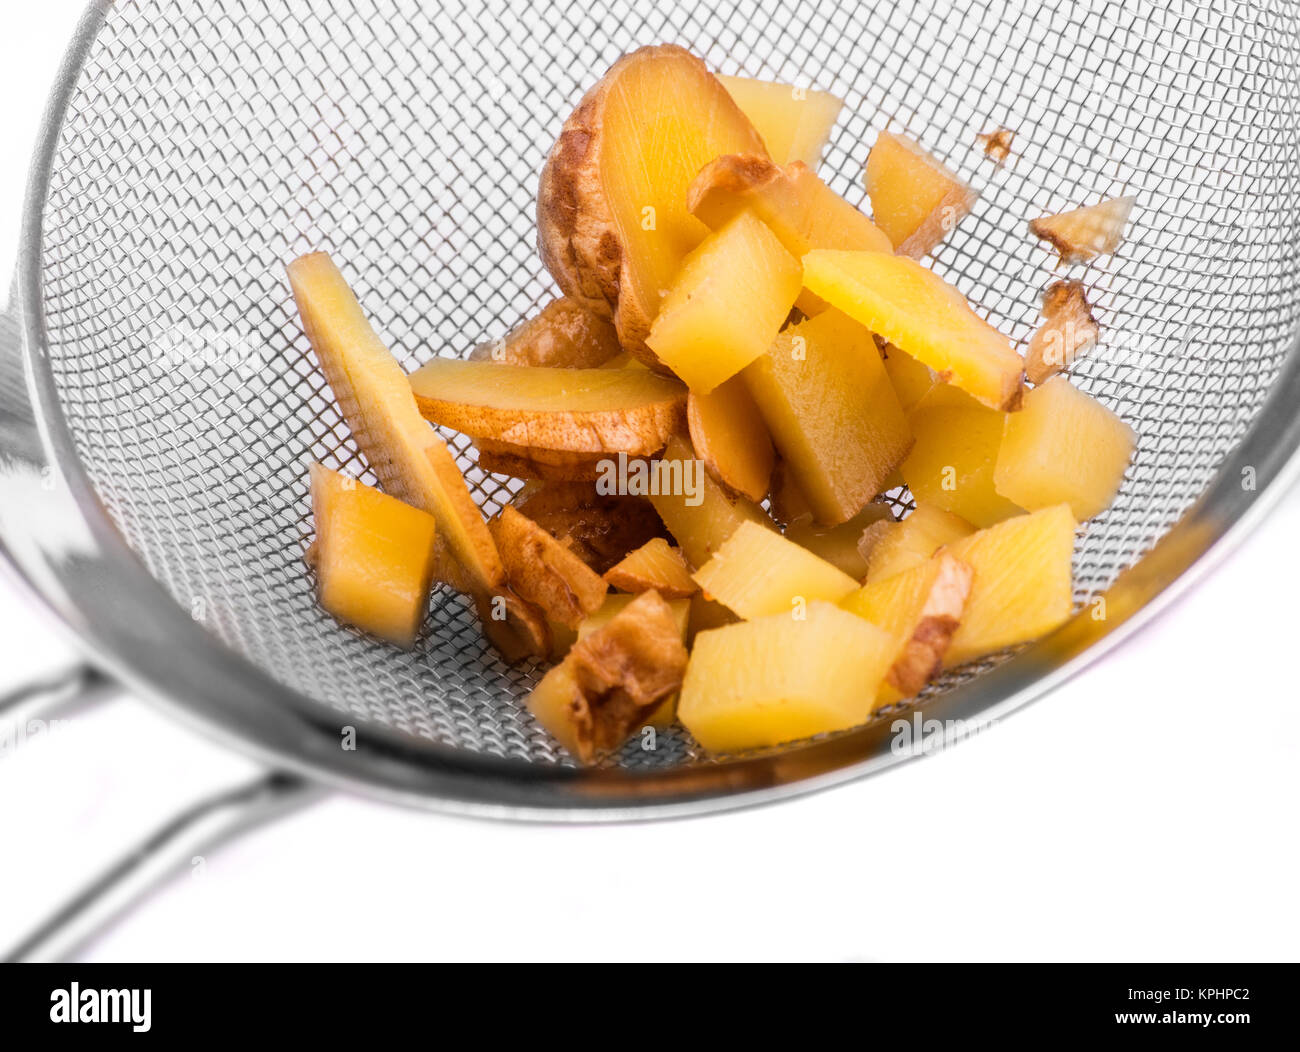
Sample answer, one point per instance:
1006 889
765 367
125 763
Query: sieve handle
57 694
176 845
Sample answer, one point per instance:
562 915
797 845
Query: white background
1145 811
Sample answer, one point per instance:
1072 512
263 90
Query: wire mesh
206 145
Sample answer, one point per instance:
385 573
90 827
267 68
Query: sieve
159 403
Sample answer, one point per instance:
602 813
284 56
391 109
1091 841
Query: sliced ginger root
780 678
613 680
613 227
920 313
600 529
920 608
1085 233
374 556
632 411
544 572
563 335
758 572
729 435
666 713
800 209
1063 446
916 199
654 567
1068 330
412 463
794 123
997 144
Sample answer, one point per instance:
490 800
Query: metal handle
194 832
58 694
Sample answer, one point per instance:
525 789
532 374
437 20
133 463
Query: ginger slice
563 335
373 556
1085 233
997 144
1067 331
633 411
613 679
731 438
780 678
921 609
916 199
666 713
413 463
613 227
544 572
757 573
655 566
600 529
892 547
839 545
795 123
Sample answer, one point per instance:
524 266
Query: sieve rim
128 623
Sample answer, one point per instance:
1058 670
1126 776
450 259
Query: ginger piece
666 714
631 411
832 412
951 466
613 679
1067 331
413 463
613 227
564 335
916 199
599 529
544 572
892 547
758 572
780 678
698 512
839 545
997 144
920 608
729 435
925 317
795 123
911 379
1063 446
373 555
1022 586
726 304
1085 233
654 567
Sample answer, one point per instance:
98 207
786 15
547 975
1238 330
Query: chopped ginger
1085 233
655 566
543 571
832 412
1063 446
915 198
613 679
666 713
781 678
726 305
1067 331
374 556
915 309
1022 588
892 547
795 123
758 572
920 608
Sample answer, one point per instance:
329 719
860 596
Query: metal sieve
159 403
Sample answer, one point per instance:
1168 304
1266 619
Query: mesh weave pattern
206 145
